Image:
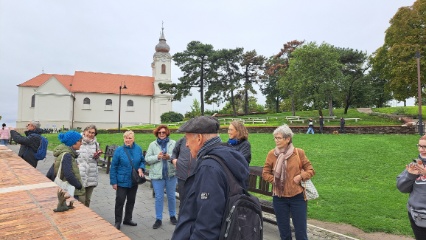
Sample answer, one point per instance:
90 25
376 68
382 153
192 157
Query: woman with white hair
285 167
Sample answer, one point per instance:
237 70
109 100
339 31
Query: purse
419 217
63 184
136 179
309 188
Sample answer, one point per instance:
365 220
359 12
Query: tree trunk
277 104
330 106
202 88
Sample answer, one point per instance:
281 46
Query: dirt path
355 232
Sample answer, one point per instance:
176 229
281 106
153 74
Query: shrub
171 117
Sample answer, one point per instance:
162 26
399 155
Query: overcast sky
61 37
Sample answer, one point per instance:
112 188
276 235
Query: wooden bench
356 119
260 186
253 121
296 120
109 152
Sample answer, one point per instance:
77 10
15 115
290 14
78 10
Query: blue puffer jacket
121 170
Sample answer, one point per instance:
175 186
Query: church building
102 99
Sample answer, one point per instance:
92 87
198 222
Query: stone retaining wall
327 130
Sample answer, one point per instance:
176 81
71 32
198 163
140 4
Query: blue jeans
296 207
159 185
4 142
310 130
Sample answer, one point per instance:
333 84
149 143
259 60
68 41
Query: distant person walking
321 123
310 126
29 143
342 125
4 134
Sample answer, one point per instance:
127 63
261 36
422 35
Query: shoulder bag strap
128 156
60 167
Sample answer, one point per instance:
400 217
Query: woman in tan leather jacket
285 167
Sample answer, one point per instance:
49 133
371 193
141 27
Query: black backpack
242 218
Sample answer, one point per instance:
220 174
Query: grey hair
284 131
36 124
91 126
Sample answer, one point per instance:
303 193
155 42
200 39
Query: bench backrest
256 182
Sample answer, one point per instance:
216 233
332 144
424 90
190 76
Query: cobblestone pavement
103 201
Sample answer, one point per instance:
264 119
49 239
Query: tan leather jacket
291 189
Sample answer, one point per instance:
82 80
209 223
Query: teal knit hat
69 138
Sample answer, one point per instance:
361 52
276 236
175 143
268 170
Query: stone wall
327 130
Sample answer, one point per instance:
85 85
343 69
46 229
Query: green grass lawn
355 175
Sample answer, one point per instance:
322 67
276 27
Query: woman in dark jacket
238 139
121 177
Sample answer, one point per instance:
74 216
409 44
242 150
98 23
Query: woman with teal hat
66 153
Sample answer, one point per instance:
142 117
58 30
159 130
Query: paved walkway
103 202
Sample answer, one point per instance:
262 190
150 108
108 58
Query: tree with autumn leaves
395 61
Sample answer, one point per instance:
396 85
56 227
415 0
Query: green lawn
355 175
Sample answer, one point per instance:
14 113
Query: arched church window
108 105
33 101
163 68
130 106
86 103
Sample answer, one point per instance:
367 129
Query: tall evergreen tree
198 69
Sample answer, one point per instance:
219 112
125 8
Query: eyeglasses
423 147
161 132
28 125
278 138
91 132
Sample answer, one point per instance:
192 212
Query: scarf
280 169
163 145
233 141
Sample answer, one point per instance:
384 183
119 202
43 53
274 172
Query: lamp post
419 94
122 86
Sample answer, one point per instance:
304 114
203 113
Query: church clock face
163 57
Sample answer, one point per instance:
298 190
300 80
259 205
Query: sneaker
173 220
157 224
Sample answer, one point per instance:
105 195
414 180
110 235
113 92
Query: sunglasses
161 132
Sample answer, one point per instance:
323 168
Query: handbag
419 217
309 188
63 184
136 179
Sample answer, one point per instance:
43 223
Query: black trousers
181 192
120 198
419 232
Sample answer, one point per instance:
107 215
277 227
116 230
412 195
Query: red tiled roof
92 82
42 78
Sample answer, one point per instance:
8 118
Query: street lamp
122 86
419 94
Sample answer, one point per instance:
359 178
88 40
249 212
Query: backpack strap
233 186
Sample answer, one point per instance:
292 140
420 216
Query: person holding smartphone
413 181
87 160
162 173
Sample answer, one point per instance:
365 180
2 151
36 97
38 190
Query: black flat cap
203 124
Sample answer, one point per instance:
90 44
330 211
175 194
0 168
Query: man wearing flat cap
206 189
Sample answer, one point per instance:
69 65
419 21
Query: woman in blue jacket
121 177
